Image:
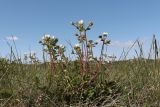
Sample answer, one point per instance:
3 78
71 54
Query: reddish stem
86 48
87 54
82 60
52 65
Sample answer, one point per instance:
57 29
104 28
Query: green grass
122 83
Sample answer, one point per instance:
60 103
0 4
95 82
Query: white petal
53 37
81 22
105 33
46 35
77 45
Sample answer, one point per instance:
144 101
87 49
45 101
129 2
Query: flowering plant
50 46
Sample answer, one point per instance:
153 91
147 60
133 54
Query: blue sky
125 20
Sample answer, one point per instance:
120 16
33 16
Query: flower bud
72 23
100 36
90 23
76 34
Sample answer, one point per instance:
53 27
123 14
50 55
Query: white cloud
126 44
12 38
122 44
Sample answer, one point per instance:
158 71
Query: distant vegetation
86 81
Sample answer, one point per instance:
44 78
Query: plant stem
82 60
101 56
52 64
86 47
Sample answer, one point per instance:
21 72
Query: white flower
62 46
65 70
46 35
80 22
19 57
32 54
105 33
53 37
77 45
91 59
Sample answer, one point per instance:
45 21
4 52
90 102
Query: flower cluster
60 52
55 51
91 43
31 57
25 56
50 46
61 49
84 48
104 39
80 25
49 42
77 48
82 29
